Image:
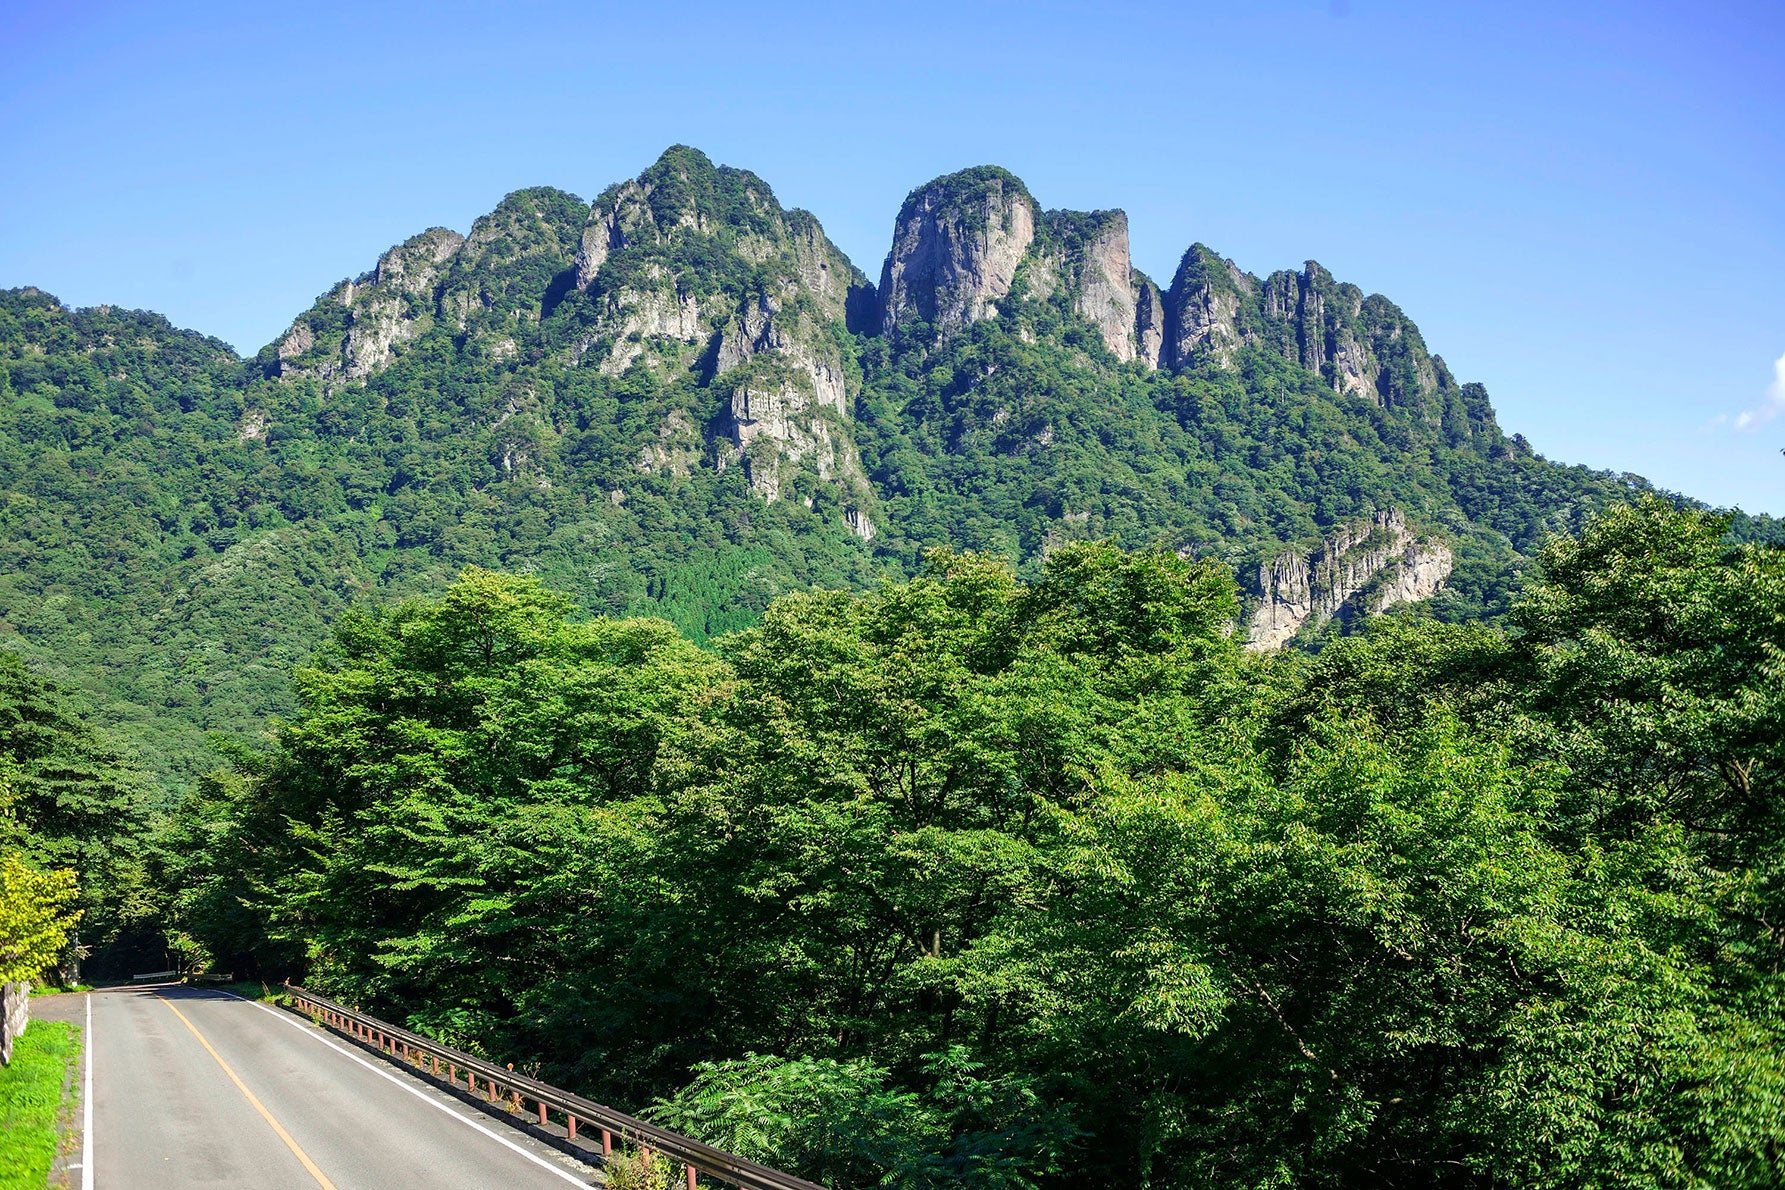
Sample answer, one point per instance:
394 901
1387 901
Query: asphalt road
194 1088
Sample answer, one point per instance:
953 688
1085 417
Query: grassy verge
31 1091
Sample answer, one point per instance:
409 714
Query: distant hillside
683 400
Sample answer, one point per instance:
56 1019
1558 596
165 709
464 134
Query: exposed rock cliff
956 247
1207 296
478 285
961 242
1087 253
351 331
1149 322
690 271
1361 569
1362 346
759 319
778 425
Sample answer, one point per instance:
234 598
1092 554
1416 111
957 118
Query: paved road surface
296 1107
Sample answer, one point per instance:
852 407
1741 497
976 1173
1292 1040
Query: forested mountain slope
970 883
683 400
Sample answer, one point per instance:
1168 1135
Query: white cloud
1772 407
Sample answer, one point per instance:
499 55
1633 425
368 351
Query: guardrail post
607 1143
570 1125
691 1176
541 1113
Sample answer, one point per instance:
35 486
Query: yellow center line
249 1096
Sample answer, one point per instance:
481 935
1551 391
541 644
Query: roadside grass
247 989
31 1094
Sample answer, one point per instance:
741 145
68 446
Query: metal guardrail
498 1082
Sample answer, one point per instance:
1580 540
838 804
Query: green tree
1056 875
37 916
70 800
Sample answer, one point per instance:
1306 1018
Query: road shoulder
54 1037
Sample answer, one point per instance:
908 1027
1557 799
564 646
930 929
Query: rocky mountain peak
956 246
1361 345
511 257
497 274
691 290
693 268
961 241
1205 324
1087 252
352 330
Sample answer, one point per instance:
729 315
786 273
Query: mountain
682 400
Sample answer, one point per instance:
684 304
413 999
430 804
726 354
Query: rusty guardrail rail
498 1082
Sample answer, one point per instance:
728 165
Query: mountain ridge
682 399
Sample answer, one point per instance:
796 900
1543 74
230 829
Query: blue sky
1582 205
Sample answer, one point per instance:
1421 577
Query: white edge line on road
87 1101
413 1090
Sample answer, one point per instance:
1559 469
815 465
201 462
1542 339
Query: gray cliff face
955 251
621 216
1205 323
476 285
961 244
766 331
1322 330
778 425
772 348
383 309
1362 346
1361 569
1149 323
1105 293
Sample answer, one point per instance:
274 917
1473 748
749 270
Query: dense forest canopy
975 881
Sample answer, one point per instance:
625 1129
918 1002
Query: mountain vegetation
682 401
851 720
981 882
